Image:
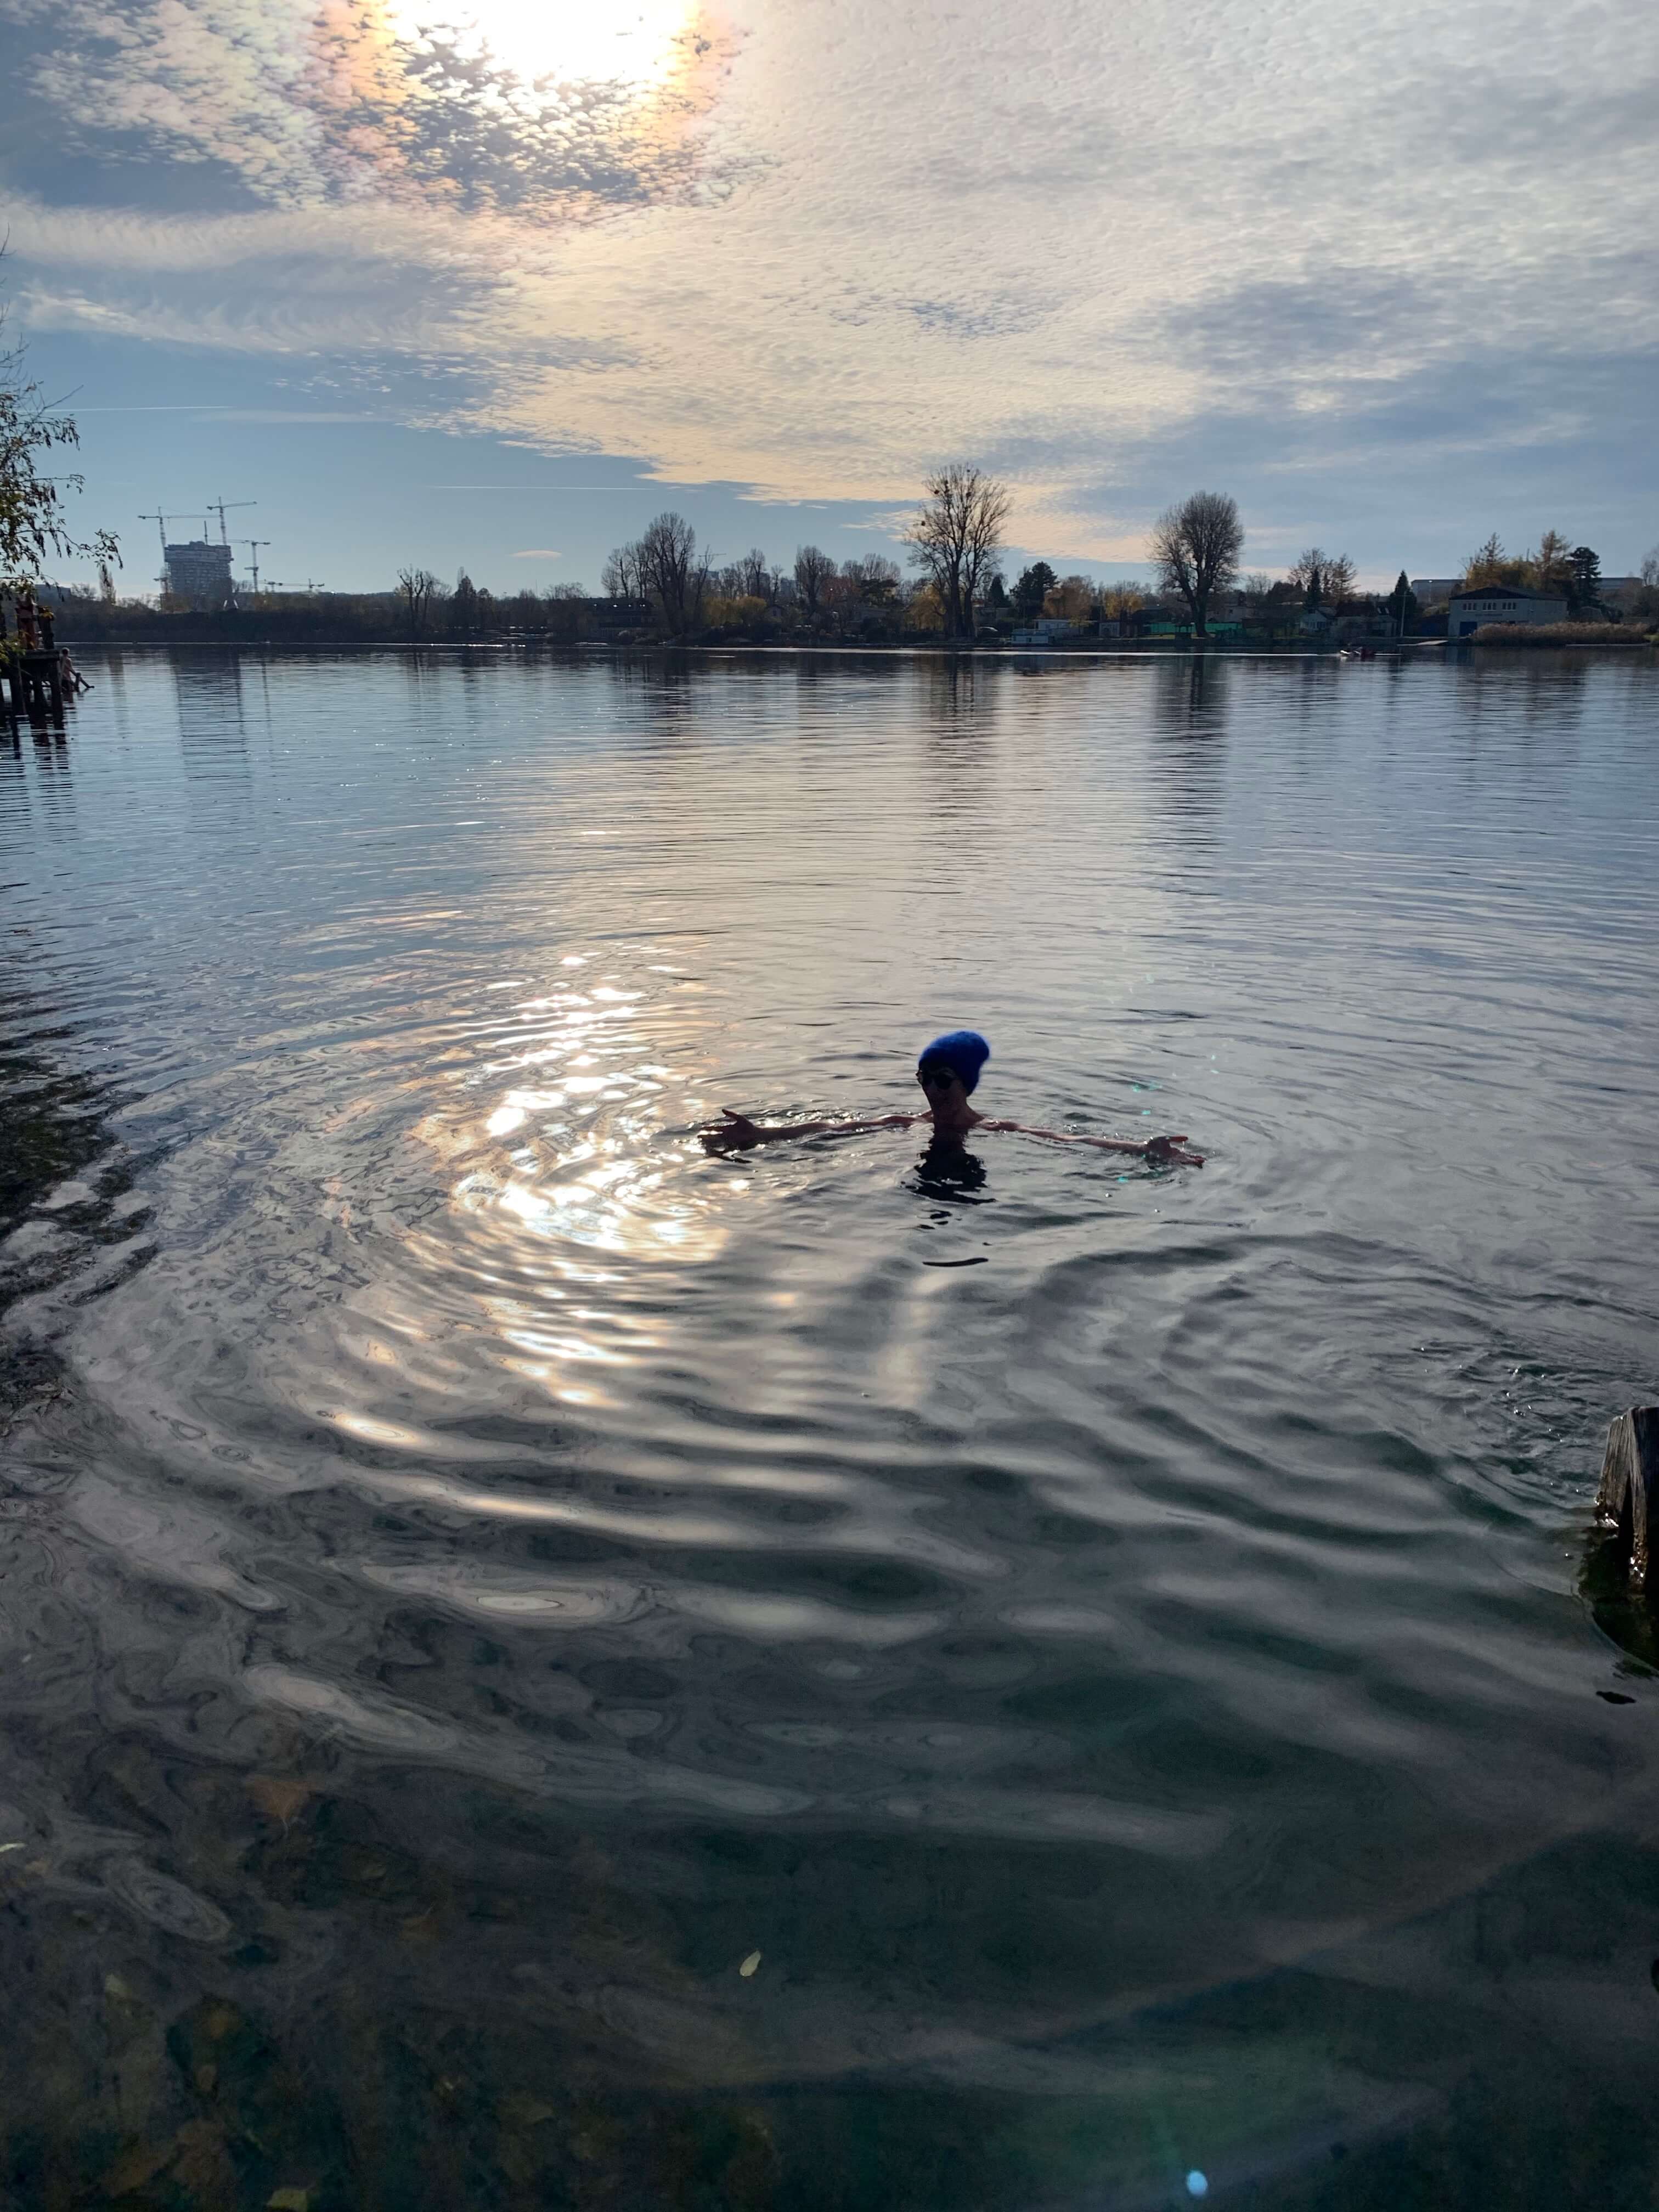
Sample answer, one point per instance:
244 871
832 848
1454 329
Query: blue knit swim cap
965 1050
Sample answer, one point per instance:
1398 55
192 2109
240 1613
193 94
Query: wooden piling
1629 1477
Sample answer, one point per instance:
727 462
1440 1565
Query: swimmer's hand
1156 1151
738 1133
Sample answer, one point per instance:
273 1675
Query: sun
630 45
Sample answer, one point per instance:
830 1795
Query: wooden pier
38 684
1630 1478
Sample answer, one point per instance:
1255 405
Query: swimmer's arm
1161 1152
738 1133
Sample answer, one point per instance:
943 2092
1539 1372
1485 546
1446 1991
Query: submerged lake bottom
543 1668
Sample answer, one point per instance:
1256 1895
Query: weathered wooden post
1629 1477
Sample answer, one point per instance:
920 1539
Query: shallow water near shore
1120 1646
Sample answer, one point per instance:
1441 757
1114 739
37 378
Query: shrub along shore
1558 633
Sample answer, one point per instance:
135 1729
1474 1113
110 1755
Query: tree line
665 584
955 539
1566 571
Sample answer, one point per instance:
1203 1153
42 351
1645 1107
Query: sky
491 282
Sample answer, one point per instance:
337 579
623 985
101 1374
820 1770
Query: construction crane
253 545
220 507
161 521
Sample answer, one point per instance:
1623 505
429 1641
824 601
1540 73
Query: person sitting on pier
948 1070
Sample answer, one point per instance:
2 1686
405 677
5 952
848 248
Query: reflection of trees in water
661 688
1191 706
46 745
959 709
212 725
958 688
1534 687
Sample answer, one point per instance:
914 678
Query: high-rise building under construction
199 572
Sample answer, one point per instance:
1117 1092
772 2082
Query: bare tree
813 569
755 572
875 578
620 577
954 538
1340 574
1307 574
417 588
1196 546
1650 567
671 573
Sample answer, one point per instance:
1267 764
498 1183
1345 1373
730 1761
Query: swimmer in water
947 1071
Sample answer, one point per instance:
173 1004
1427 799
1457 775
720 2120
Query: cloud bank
807 249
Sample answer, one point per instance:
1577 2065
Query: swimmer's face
940 1082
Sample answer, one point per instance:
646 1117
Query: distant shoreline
592 651
599 648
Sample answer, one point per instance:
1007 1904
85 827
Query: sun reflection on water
568 1151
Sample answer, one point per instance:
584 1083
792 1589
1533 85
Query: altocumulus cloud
802 249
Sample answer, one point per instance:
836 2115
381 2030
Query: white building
1468 612
1047 629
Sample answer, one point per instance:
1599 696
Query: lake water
1118 1645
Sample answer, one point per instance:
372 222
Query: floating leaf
137 2165
526 2112
14 1847
278 1796
288 2200
204 2168
750 1965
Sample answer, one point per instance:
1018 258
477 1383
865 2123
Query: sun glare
629 44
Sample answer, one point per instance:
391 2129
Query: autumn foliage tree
33 526
1072 599
1568 571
